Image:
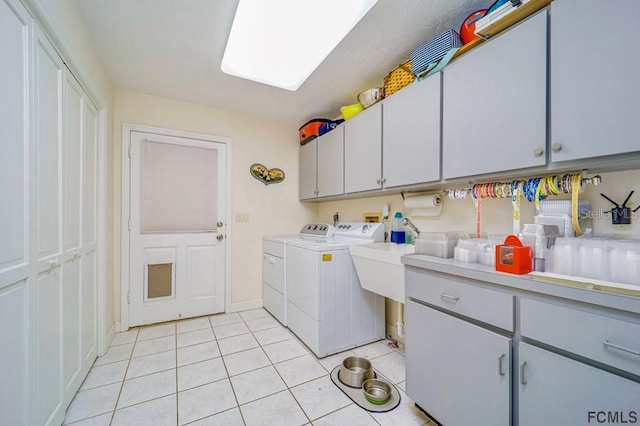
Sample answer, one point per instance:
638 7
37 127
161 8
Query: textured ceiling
173 48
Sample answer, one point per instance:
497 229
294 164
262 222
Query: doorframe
127 128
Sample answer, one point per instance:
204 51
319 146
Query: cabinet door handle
272 261
522 379
378 181
500 366
449 298
383 180
538 152
556 147
620 348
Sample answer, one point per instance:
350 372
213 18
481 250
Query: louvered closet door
47 315
15 280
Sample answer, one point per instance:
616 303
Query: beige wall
272 209
459 215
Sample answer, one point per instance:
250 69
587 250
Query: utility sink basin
379 268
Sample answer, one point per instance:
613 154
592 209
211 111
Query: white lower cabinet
458 372
557 390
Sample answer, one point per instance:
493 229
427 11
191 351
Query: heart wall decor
265 175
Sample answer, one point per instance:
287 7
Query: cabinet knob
556 147
384 180
378 181
538 152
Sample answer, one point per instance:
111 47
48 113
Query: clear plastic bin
438 244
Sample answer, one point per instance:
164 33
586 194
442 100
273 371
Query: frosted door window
178 188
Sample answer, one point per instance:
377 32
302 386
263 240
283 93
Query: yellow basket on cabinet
398 78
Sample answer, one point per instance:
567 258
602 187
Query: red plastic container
468 27
513 257
311 129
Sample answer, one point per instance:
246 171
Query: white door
47 312
16 278
177 228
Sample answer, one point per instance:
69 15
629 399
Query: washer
273 275
325 305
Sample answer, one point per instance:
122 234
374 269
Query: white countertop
618 296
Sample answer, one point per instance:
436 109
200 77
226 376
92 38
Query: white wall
272 209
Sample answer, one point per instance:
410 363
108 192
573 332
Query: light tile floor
229 369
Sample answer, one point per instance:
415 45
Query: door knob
220 237
219 224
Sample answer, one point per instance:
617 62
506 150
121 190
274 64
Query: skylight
281 42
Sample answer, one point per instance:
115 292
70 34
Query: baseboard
115 326
245 306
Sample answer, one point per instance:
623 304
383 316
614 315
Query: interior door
47 295
177 228
16 279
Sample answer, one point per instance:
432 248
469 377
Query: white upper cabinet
322 166
595 95
495 103
331 163
308 164
363 151
411 134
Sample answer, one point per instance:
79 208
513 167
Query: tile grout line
260 345
115 406
228 376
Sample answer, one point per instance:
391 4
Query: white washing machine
326 306
273 275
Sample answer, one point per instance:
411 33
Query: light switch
241 218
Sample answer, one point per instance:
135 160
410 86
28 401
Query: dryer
326 307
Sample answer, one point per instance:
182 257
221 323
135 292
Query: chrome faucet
407 222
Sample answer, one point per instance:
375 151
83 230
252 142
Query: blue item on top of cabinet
433 51
398 235
328 126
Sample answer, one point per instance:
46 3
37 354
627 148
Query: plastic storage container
398 235
439 244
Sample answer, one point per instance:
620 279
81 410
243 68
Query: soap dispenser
397 229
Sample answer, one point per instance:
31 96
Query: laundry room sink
379 268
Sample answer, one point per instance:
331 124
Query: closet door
89 337
46 318
15 279
72 238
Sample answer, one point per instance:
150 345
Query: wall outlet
241 218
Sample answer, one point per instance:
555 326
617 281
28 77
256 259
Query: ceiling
173 48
